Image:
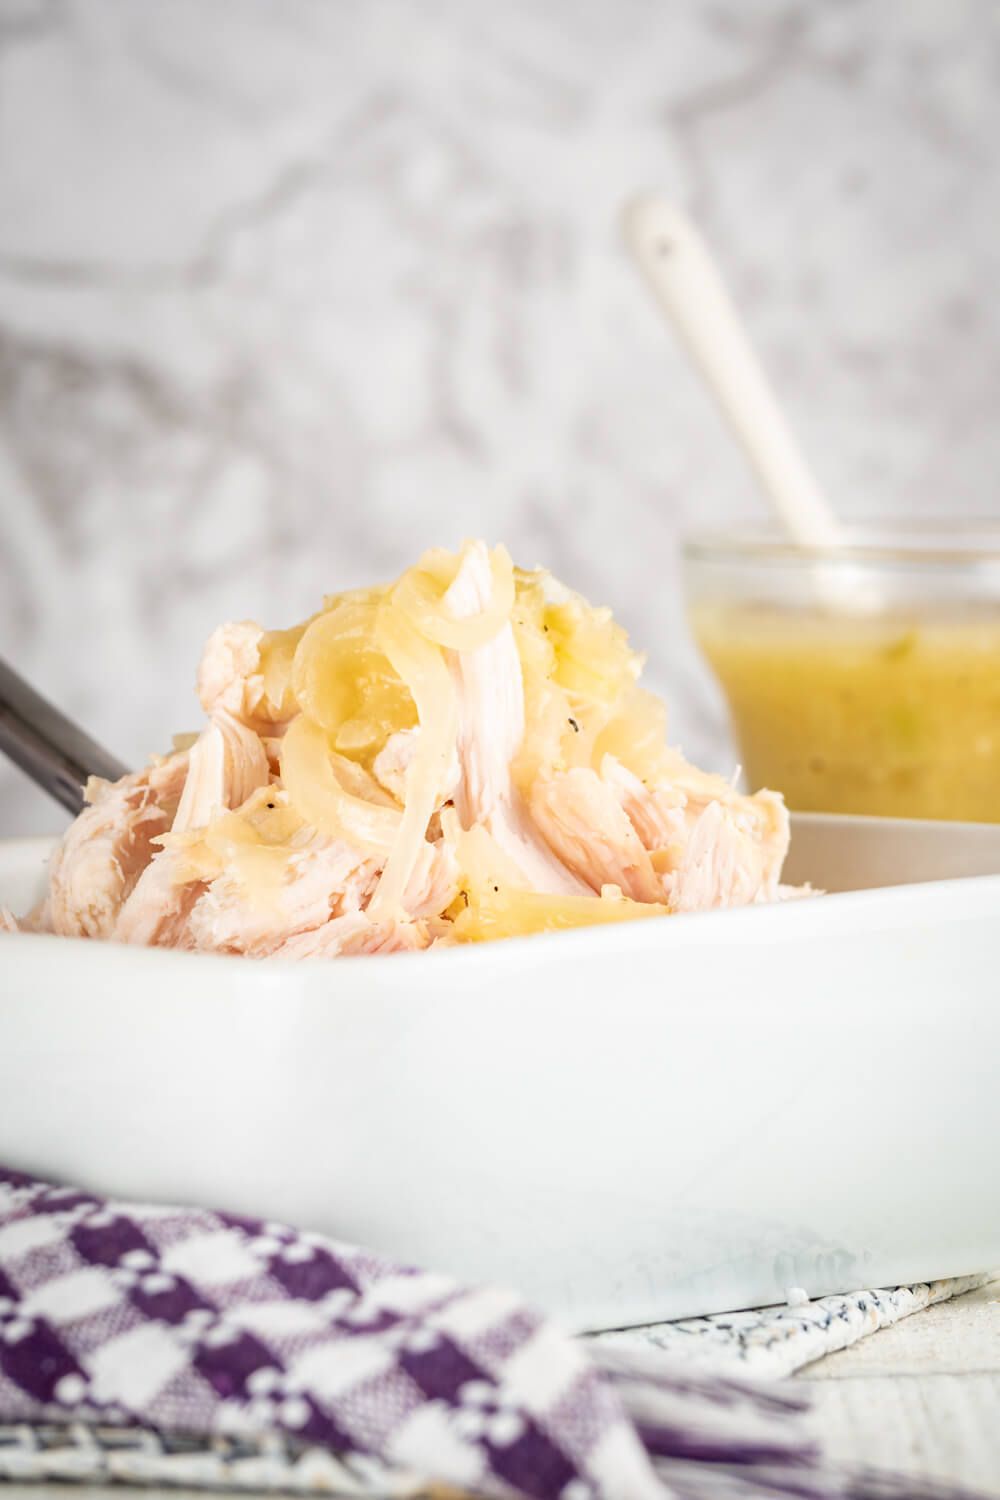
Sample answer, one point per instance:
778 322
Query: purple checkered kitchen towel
128 1316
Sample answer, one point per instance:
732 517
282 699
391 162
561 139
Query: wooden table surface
922 1397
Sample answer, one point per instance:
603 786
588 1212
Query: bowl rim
939 542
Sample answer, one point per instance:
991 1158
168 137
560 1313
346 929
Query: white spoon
685 281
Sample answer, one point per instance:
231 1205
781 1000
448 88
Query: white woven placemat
776 1341
104 1455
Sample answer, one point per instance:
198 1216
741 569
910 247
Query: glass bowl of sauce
861 680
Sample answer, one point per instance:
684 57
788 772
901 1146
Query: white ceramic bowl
628 1123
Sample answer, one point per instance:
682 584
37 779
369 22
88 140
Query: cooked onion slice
344 682
277 653
420 595
422 667
308 770
514 913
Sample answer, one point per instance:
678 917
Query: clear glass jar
862 680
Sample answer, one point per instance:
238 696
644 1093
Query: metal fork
56 753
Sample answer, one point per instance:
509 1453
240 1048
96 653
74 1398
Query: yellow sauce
892 716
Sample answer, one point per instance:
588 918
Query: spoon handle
684 279
52 750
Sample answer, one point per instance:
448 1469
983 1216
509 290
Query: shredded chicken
434 883
712 846
107 848
491 725
395 758
723 863
354 934
230 677
156 912
586 825
318 883
312 818
227 763
657 817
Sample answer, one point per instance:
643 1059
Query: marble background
290 289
